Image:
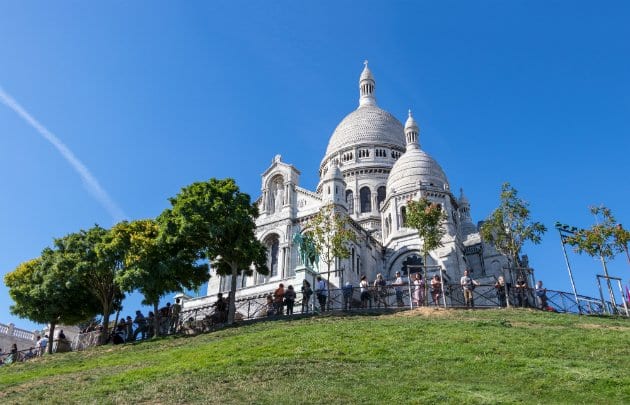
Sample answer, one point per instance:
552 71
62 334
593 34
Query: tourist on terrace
270 306
364 290
398 289
347 291
289 299
220 310
42 342
141 328
176 308
307 292
541 295
322 293
521 291
501 289
418 290
278 299
129 331
436 289
380 291
468 285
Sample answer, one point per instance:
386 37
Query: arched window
403 216
380 196
412 264
350 201
366 199
272 242
276 194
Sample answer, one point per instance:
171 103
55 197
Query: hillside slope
485 356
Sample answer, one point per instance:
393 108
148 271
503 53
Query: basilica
372 167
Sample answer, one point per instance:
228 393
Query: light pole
564 231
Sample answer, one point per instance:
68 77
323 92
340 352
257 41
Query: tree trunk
51 335
156 320
232 297
426 283
328 287
105 331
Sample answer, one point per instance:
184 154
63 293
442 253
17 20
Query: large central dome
367 125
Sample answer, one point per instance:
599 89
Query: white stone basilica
372 167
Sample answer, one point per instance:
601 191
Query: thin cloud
89 181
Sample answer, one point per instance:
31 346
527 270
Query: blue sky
152 96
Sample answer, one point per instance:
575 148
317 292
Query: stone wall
9 335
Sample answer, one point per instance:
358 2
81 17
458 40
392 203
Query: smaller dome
413 169
333 173
463 200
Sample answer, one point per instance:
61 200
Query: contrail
89 180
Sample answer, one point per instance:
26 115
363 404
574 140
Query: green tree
98 259
153 266
215 220
331 236
428 219
509 226
44 291
605 240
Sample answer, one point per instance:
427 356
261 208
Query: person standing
278 299
436 289
418 290
398 289
141 321
364 291
468 285
380 290
289 299
347 291
541 295
307 292
521 291
322 293
176 309
501 290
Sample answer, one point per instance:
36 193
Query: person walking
418 290
398 289
436 289
347 291
141 328
380 291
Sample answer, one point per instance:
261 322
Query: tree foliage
98 259
153 266
45 291
215 220
330 233
606 238
509 226
428 219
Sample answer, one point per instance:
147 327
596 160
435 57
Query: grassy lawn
421 356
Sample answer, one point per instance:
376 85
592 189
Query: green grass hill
420 356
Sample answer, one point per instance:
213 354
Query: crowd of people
375 294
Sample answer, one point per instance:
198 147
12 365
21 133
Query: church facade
372 167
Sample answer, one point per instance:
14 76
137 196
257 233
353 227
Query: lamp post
565 230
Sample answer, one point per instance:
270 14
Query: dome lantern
367 85
411 132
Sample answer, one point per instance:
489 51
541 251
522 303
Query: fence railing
450 295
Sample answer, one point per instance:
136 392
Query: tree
605 240
44 291
509 226
152 265
215 220
428 218
331 236
98 260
